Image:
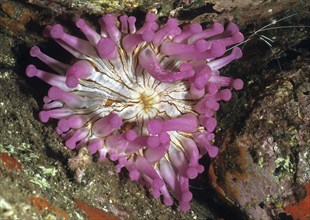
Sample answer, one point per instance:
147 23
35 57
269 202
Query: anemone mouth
149 100
144 98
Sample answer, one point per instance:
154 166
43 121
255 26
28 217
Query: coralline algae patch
145 98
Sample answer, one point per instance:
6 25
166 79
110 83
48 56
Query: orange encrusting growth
10 162
42 204
93 213
301 210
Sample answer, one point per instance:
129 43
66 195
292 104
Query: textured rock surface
266 166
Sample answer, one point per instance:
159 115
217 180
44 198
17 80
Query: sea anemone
145 98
